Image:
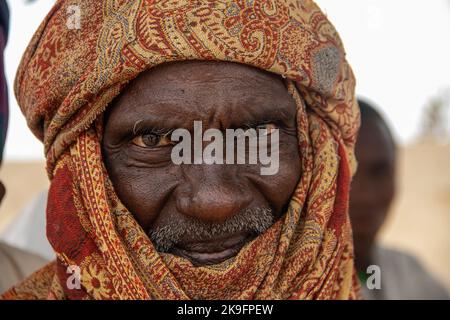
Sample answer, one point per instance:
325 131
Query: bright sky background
399 51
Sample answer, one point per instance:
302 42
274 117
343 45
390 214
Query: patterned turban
69 76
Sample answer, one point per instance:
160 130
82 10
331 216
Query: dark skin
373 187
222 95
2 191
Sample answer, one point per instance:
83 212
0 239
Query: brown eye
151 140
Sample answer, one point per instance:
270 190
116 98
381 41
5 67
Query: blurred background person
15 264
373 190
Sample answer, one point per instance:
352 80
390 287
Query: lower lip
209 258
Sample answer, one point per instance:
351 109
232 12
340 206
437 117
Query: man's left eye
151 140
268 128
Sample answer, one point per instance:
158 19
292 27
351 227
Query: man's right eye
152 140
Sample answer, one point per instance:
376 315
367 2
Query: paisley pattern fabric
68 77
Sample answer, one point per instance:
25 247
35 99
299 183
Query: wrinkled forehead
206 88
202 74
210 69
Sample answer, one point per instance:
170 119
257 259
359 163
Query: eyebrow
265 111
135 124
258 111
270 115
148 125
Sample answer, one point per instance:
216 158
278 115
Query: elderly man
127 221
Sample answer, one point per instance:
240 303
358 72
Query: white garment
403 278
16 265
28 230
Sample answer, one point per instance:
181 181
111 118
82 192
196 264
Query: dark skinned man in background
372 193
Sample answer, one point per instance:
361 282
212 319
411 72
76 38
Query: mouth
212 251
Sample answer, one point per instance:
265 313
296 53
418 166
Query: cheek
143 191
281 186
290 166
386 196
367 188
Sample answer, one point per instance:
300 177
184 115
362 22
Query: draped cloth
69 76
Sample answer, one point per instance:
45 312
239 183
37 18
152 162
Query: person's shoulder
400 260
25 262
410 273
397 255
35 287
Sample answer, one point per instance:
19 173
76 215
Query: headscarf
67 79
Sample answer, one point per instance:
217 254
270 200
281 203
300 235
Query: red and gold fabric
68 77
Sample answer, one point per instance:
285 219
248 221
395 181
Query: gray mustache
255 220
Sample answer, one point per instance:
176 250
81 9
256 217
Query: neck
364 258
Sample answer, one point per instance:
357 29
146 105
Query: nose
212 193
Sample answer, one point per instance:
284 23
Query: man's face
373 186
203 212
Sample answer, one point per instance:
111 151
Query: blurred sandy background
23 182
419 223
420 218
